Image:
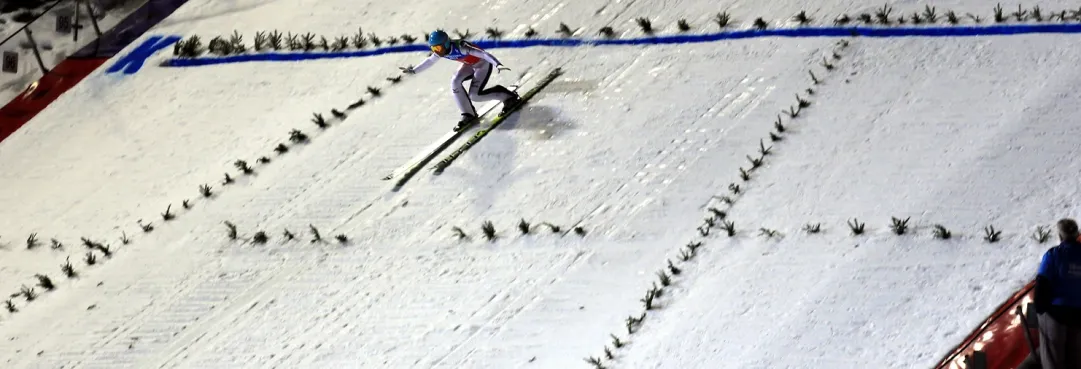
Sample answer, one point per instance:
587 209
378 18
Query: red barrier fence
43 92
1001 337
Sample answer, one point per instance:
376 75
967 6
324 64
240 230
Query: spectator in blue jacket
1058 301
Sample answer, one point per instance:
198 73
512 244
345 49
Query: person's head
439 42
1067 230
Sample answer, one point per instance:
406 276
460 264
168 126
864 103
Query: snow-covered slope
950 132
633 144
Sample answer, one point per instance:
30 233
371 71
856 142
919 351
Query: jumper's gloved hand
500 68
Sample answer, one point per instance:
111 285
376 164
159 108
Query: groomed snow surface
633 144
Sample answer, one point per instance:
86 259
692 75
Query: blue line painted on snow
133 61
950 31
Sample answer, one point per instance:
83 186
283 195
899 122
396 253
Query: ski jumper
477 66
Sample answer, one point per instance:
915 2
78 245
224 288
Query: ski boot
467 120
511 103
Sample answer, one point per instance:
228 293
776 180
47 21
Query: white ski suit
477 66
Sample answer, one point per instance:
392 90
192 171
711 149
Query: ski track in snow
631 144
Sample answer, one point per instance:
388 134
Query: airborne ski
414 165
443 164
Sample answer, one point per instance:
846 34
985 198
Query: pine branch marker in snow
755 164
341 115
686 255
69 271
28 293
10 306
856 227
595 362
929 13
316 237
581 232
296 136
1042 234
768 233
319 120
801 102
341 238
530 33
812 228
672 268
762 149
608 353
842 20
168 215
260 238
718 213
565 30
289 236
104 250
124 240
263 160
205 190
744 175
722 20
523 226
664 278
899 226
147 228
227 180
802 18
607 32
826 64
488 229
951 17
729 227
616 342
940 232
647 301
186 204
645 24
232 230
56 245
883 14
44 282
683 26
760 24
458 232
281 149
90 259
991 235
243 167
493 33
792 112
32 241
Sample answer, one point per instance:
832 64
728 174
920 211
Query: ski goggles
439 49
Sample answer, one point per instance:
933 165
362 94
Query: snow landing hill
638 146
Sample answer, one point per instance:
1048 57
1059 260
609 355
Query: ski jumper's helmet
439 42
